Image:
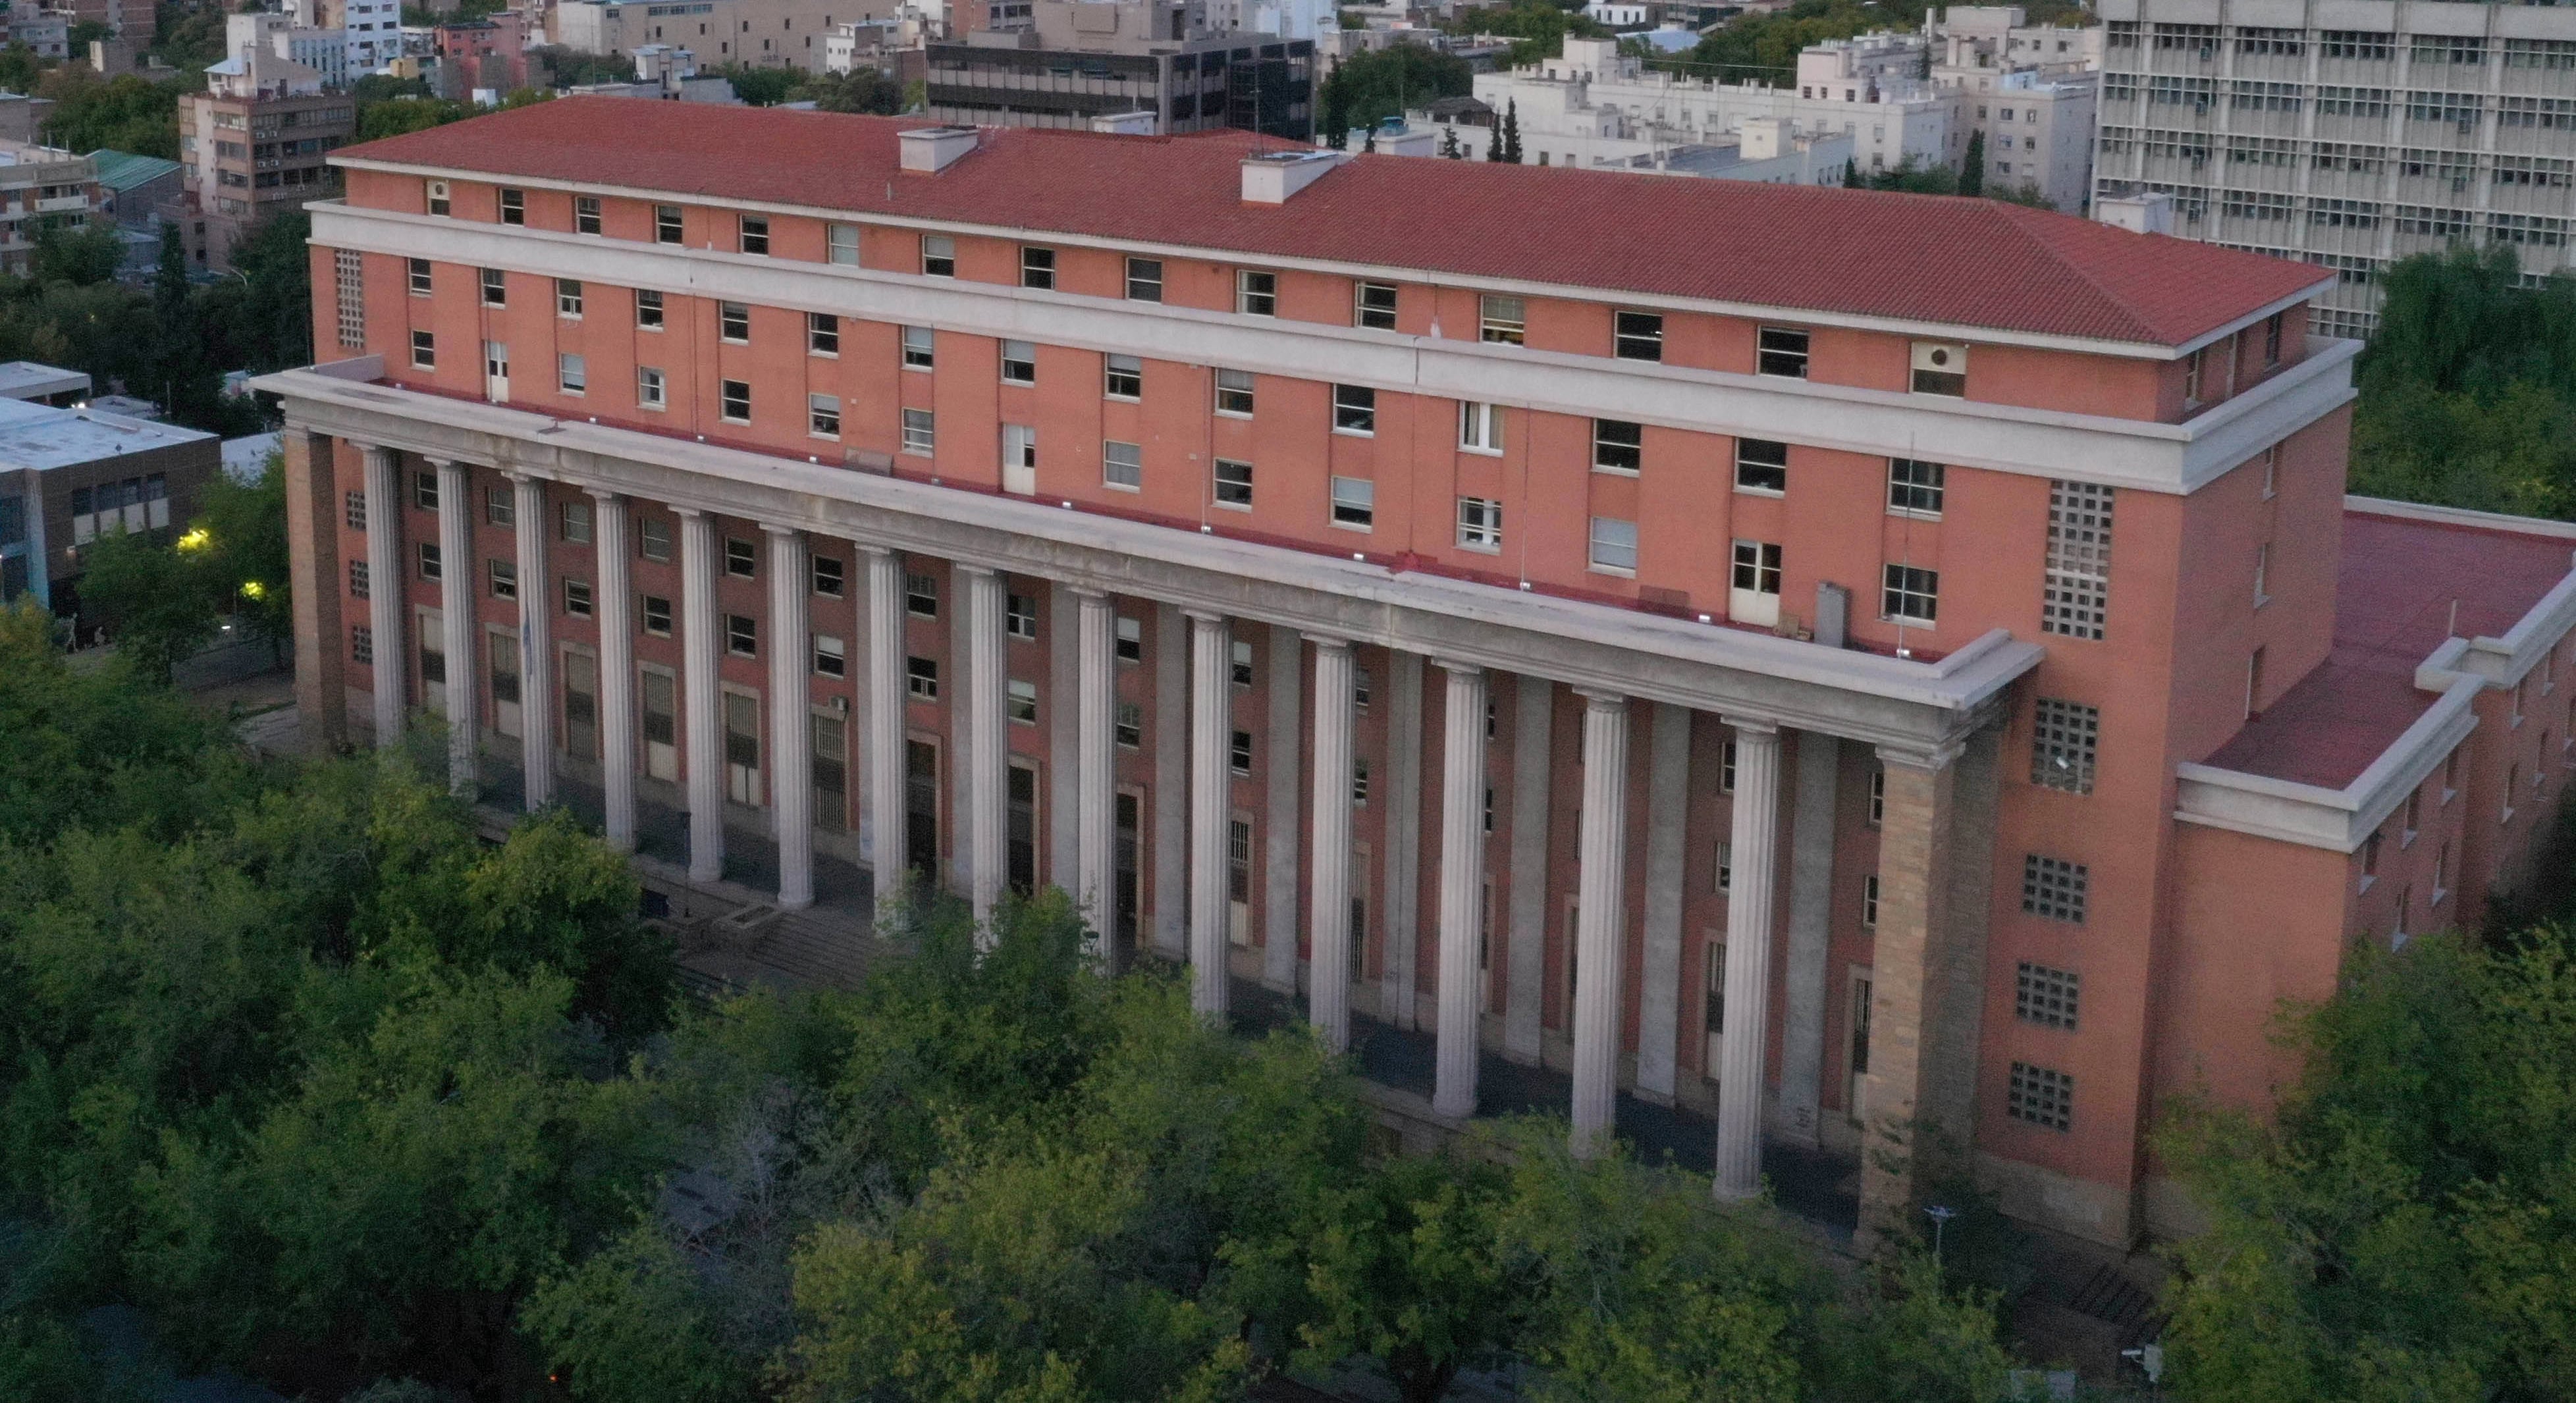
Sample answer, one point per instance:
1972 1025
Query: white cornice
2138 454
2314 816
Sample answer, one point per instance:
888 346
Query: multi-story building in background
325 51
755 33
41 187
70 475
2029 90
254 143
1910 687
488 54
1153 67
2349 135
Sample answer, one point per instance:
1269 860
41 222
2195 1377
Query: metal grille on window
2040 1096
2053 889
2045 996
2062 744
2077 599
348 284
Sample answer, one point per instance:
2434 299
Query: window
917 348
653 538
2272 340
431 566
496 288
500 506
424 351
1781 350
1360 684
742 636
755 234
438 197
1239 663
2262 574
1637 335
1914 488
2076 599
1373 306
1726 867
1480 524
1909 595
1123 377
1144 280
2041 1097
1019 363
1122 465
1354 409
1869 902
921 594
353 507
938 256
2271 472
822 334
1501 319
648 309
1618 446
362 639
1037 267
1359 780
830 659
572 374
424 491
1234 393
2414 816
733 401
1238 753
501 578
2045 996
666 224
841 244
420 277
1761 466
2053 889
1614 544
576 598
2063 737
652 391
1480 427
1129 729
1757 567
1233 484
1941 368
1022 702
568 298
359 579
574 523
1131 640
918 427
514 207
1256 294
823 416
1020 617
733 322
1354 502
921 678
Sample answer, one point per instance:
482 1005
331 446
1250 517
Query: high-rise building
1912 686
1151 67
2348 136
253 144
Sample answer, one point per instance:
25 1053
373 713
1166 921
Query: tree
395 116
78 254
123 113
1449 147
1507 137
1406 1265
1972 168
244 525
861 90
1374 85
1537 28
153 598
760 87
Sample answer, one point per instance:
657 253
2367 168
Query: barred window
2042 1097
2062 745
2045 996
2054 889
362 645
2076 599
357 579
349 286
354 510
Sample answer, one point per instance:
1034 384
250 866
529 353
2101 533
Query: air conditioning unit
1940 368
438 189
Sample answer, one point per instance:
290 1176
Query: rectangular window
648 309
1123 465
1233 484
1501 319
1131 640
1256 294
1480 427
420 283
1238 754
653 538
1234 393
921 594
1354 502
938 256
1726 867
575 523
349 290
917 348
576 598
353 509
1869 901
921 678
1020 617
755 235
585 214
500 506
1781 350
826 571
733 401
1129 729
1022 702
1123 377
2053 889
424 351
652 391
1914 488
514 206
2045 996
822 334
1618 446
1373 306
568 298
841 244
1019 363
437 191
1037 267
2076 599
362 639
830 659
424 491
572 374
2042 1097
2272 341
666 224
1761 467
742 558
742 636
496 288
2063 737
823 416
358 579
431 566
1480 524
1239 659
1910 595
1354 409
1757 567
733 322
1614 544
1637 335
1144 280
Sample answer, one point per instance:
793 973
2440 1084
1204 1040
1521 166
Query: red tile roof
1930 258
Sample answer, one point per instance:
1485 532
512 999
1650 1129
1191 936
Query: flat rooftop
26 379
2400 579
38 437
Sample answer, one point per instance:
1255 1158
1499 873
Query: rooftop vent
1270 178
2150 213
931 150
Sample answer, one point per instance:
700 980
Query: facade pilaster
1462 889
701 651
457 574
616 604
1525 949
1600 917
1095 799
1328 906
1282 739
1754 839
886 758
536 644
988 740
1811 901
1211 733
1171 782
791 725
385 579
1667 828
1401 895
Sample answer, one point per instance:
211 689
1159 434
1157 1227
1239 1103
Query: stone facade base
2081 1208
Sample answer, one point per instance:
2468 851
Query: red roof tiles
1961 262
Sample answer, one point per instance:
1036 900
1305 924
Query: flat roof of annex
1913 264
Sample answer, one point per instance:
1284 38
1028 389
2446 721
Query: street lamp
1940 1214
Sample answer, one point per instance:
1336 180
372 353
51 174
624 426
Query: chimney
2139 214
1270 178
931 150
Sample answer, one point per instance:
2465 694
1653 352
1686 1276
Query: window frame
1117 455
928 350
729 395
1480 525
1613 453
670 225
1372 317
1594 560
1231 491
1901 584
1642 344
1355 410
751 235
730 315
938 256
823 335
1019 362
1226 394
653 393
1124 383
1907 493
1480 427
1355 510
1137 279
822 415
1755 474
1782 361
1256 293
1037 267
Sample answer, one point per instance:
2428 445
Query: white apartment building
2348 135
40 187
325 51
2030 90
1768 150
758 33
370 30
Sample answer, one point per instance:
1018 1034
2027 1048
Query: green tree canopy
1376 84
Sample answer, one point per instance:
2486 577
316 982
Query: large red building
1905 678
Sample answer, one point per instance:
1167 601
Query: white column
536 644
1659 984
1061 650
1096 699
385 589
1211 733
1283 739
1601 910
1462 887
791 728
1754 840
701 648
1810 937
1171 803
1525 958
886 758
1400 790
1328 907
616 604
457 578
988 745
